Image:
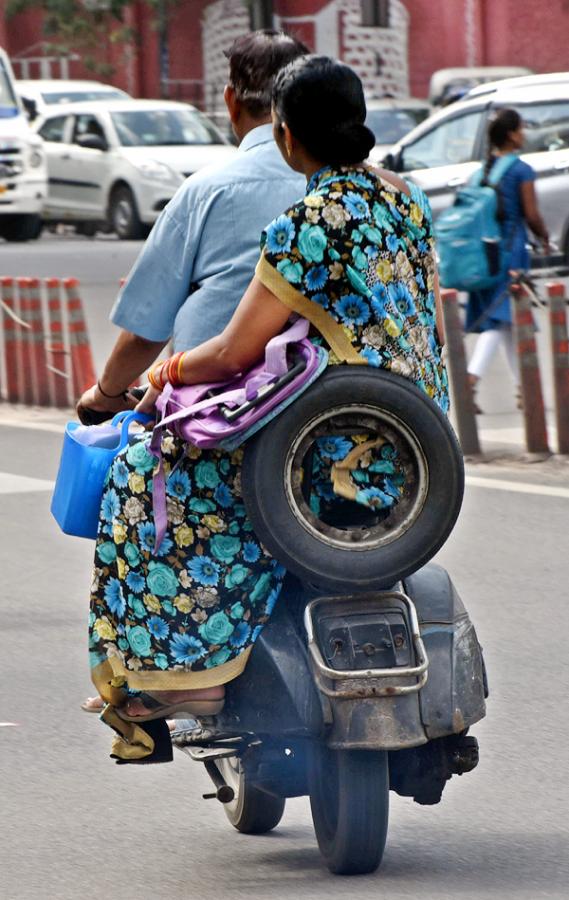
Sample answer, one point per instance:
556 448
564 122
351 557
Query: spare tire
366 550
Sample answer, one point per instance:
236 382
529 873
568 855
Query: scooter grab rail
420 671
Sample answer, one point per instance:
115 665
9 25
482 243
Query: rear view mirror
92 142
30 107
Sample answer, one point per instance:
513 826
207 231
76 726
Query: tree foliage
87 26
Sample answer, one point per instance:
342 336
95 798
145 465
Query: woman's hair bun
351 142
322 102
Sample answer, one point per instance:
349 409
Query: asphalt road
74 826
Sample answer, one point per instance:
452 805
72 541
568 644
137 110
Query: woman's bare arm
532 214
259 317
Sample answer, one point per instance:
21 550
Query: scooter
369 674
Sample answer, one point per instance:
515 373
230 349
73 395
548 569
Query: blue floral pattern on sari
364 252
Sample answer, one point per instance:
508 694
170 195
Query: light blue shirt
203 249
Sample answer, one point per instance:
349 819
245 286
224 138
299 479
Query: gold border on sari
331 330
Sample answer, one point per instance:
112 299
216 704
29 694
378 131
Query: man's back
203 249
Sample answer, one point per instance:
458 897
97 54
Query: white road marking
517 487
22 484
7 421
9 725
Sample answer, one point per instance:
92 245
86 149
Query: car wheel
21 228
123 214
353 547
87 229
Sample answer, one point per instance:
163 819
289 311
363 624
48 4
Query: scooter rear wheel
349 799
251 811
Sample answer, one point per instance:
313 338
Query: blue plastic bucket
86 457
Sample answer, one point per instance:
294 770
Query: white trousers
486 347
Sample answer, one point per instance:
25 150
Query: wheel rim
352 419
123 214
230 769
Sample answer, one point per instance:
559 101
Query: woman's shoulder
522 170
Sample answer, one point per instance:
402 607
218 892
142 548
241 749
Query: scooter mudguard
454 695
276 693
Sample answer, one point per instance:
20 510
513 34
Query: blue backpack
468 234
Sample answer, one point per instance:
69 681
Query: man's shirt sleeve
159 282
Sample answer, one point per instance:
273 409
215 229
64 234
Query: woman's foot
135 706
93 705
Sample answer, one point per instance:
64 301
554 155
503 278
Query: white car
39 94
442 153
391 119
118 164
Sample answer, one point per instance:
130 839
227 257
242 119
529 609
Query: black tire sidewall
135 226
360 796
329 566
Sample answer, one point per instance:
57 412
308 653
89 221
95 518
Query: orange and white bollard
82 368
11 329
37 340
57 354
530 380
26 360
462 396
560 360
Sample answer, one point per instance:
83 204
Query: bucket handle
124 418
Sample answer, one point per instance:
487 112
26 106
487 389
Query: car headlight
157 171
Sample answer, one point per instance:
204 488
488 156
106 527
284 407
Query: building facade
394 45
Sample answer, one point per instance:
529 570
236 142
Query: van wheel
251 811
123 215
21 228
353 547
349 799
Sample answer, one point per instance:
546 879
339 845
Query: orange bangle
155 375
172 368
179 367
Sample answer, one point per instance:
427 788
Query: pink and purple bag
225 414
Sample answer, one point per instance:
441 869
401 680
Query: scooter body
376 690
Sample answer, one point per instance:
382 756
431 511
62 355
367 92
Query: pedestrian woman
355 257
488 311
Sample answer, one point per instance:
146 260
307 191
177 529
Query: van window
546 126
53 130
8 102
448 143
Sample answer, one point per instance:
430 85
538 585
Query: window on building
260 14
375 13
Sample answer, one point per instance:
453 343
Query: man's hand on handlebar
93 407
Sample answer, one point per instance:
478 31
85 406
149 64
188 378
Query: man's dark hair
254 60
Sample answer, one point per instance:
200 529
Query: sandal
157 710
93 705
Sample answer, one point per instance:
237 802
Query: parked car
391 119
447 85
442 153
39 94
119 163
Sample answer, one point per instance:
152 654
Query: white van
23 170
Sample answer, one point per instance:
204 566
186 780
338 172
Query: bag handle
124 418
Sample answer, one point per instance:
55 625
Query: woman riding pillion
355 257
